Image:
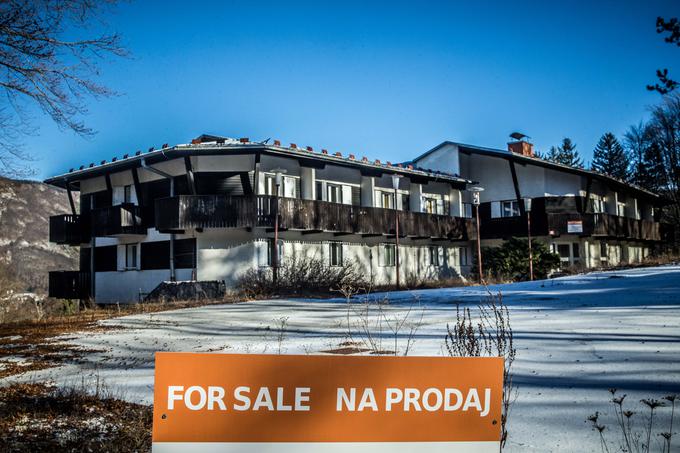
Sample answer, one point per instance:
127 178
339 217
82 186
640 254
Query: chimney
521 147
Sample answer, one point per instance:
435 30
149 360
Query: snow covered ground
576 337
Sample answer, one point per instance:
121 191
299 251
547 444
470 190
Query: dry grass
33 345
35 417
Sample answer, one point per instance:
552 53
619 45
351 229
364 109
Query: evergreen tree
565 154
610 158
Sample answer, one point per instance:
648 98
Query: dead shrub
489 335
300 277
35 417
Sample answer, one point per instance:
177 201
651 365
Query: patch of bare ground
33 345
36 417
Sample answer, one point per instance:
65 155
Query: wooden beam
245 183
190 175
109 187
138 187
70 199
515 184
589 183
311 232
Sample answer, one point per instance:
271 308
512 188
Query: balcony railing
69 284
69 229
605 225
218 211
118 220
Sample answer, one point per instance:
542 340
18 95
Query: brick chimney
521 147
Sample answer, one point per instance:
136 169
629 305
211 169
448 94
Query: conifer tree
565 154
610 157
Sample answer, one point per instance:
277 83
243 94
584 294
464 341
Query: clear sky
386 80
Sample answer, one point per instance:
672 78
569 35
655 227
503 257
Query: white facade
225 254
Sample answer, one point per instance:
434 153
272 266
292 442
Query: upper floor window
384 199
620 209
289 186
334 193
598 205
510 208
467 210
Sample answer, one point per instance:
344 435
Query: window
467 210
335 253
127 194
319 191
436 256
604 251
131 256
386 199
598 205
387 255
334 193
430 205
270 250
620 209
462 256
270 185
510 208
405 202
576 252
563 251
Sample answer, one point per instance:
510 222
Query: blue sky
386 80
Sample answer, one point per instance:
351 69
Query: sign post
338 404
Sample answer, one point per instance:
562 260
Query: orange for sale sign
283 403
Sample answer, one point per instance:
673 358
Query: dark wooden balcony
606 226
69 284
217 211
119 220
550 216
69 229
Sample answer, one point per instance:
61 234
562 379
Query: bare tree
46 60
671 29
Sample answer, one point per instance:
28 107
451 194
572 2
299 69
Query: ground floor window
570 253
387 255
270 252
335 253
576 252
131 256
462 256
436 255
604 252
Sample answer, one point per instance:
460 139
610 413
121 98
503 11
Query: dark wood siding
156 255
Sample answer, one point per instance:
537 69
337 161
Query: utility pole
278 182
527 208
475 200
395 185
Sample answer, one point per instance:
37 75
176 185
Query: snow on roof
213 142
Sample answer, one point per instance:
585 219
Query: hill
26 255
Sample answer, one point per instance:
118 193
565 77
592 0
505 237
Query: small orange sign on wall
282 403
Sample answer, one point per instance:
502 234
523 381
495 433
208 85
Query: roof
216 145
505 154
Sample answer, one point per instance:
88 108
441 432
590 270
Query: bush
510 261
300 276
